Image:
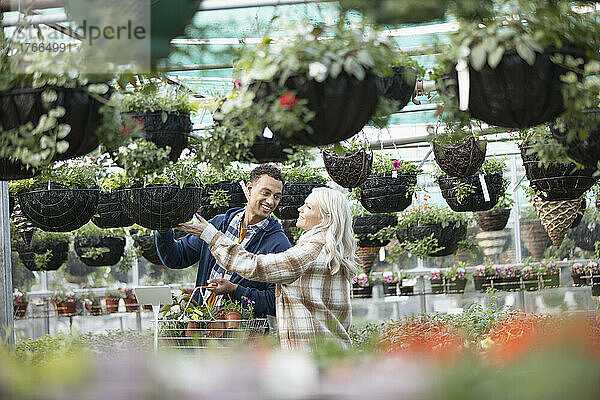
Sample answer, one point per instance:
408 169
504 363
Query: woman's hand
194 229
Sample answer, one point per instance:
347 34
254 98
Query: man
253 227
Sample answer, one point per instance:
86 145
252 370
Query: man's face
265 195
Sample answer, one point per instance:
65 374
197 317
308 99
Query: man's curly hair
267 169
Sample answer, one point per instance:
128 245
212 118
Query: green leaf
163 116
495 56
525 52
478 57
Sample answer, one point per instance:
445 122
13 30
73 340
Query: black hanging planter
110 212
59 210
59 252
349 170
474 201
399 86
115 246
460 160
24 104
447 236
385 194
342 106
172 132
502 96
160 207
287 225
371 224
492 220
265 150
148 247
585 235
586 151
556 181
237 198
293 198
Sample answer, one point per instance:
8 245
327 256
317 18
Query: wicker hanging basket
534 236
476 200
557 217
350 170
366 257
492 220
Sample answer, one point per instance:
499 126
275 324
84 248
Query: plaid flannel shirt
310 302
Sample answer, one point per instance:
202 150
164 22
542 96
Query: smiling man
253 227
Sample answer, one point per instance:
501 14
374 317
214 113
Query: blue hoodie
191 249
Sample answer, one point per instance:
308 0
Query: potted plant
51 110
92 304
299 183
164 111
390 283
497 218
504 61
310 91
348 166
431 231
361 288
366 257
593 272
158 195
373 230
398 88
556 180
550 274
99 247
112 298
110 212
455 278
390 186
530 274
509 277
131 303
437 282
61 199
144 240
19 304
482 278
65 303
48 251
405 288
469 193
222 190
578 273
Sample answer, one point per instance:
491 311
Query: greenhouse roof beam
210 5
19 5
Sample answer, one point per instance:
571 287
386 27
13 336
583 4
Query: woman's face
310 215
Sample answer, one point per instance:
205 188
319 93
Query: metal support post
516 209
7 323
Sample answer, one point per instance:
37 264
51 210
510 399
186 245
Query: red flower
134 123
288 101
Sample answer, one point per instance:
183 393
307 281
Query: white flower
317 71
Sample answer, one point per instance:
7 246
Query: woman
313 278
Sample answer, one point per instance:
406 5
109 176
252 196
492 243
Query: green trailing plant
70 174
383 235
91 229
505 201
422 248
44 237
231 173
431 214
157 95
463 190
95 252
303 174
219 198
118 293
142 160
384 164
528 212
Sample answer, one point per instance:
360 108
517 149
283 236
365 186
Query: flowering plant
511 271
550 268
499 272
527 272
128 294
61 296
383 164
435 275
592 268
361 279
578 269
118 293
456 272
389 277
484 270
18 297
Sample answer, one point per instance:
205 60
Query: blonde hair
340 245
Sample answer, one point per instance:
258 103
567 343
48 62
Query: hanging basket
350 170
386 194
461 160
586 151
398 86
492 243
265 150
82 113
534 236
580 213
492 220
234 190
371 224
556 181
585 235
110 213
59 210
447 237
475 201
366 257
342 106
59 251
557 217
287 225
172 132
114 245
148 247
293 198
502 96
160 207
